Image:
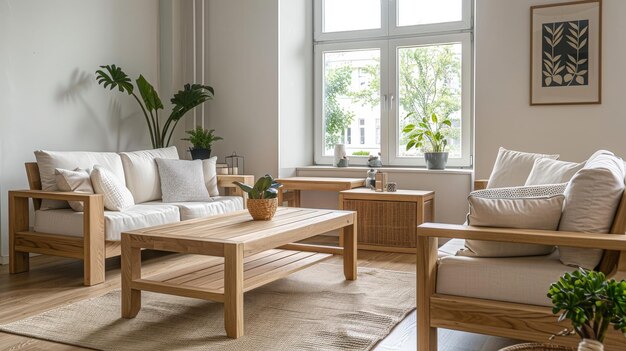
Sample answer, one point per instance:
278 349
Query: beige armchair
489 305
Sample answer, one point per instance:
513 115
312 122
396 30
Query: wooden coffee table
255 253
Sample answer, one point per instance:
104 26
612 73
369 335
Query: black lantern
234 163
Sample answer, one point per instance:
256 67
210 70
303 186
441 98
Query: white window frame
387 39
466 98
319 129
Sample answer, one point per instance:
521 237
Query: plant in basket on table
202 139
592 303
262 197
429 131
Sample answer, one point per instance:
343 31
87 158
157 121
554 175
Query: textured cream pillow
209 168
141 172
549 171
591 199
512 168
182 180
536 207
116 196
78 181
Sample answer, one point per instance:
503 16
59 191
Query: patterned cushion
116 196
536 207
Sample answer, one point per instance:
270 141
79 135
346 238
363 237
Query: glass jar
370 181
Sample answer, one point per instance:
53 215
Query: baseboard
4 260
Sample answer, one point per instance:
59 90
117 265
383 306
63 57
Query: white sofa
95 234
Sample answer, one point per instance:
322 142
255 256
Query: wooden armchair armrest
53 195
524 236
480 184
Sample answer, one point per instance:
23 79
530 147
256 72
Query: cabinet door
385 223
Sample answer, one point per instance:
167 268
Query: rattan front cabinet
387 221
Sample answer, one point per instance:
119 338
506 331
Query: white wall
503 114
295 85
242 63
48 95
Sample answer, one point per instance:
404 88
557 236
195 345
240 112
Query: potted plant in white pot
592 303
262 197
429 134
201 140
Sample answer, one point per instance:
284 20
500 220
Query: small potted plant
592 303
201 139
429 132
262 197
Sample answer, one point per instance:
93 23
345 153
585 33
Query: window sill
361 170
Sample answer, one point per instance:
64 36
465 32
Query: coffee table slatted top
288 225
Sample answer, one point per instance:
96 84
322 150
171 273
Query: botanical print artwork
565 47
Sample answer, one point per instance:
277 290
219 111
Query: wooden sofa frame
505 319
92 247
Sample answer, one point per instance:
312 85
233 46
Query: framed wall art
566 53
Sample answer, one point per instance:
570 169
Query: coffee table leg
131 269
350 250
233 290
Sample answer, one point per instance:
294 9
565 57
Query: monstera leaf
148 94
191 96
113 78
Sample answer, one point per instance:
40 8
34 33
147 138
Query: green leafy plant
202 138
591 302
192 95
427 131
264 188
361 153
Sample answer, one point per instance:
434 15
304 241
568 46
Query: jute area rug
314 309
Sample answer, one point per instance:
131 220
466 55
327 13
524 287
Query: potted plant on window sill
202 139
262 197
429 132
592 303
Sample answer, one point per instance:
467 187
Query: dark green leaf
148 94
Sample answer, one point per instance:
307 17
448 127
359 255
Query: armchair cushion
549 171
537 207
591 200
513 167
499 278
142 175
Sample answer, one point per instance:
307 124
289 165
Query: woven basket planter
262 209
537 347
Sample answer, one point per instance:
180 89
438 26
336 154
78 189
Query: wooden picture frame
566 53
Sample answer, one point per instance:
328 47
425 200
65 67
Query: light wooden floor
54 282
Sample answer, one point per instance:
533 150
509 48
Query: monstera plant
161 130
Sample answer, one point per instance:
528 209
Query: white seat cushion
217 205
68 222
512 279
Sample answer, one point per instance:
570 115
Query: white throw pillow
591 200
116 196
549 171
142 174
209 168
536 207
182 180
78 181
48 161
512 168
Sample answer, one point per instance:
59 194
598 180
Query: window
390 62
